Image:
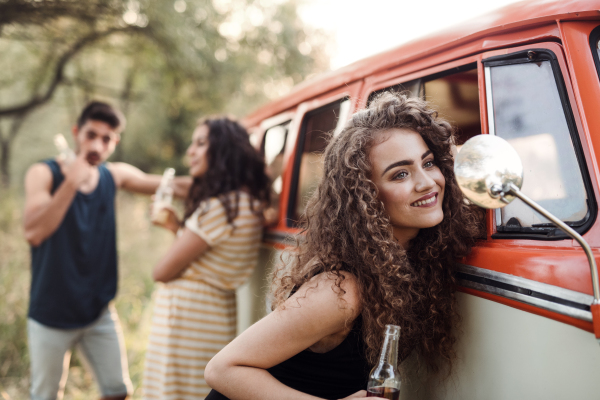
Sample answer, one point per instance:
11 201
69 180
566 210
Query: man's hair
99 111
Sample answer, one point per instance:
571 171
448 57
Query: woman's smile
429 200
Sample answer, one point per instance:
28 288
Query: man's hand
78 171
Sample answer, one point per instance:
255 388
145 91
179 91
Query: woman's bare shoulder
342 290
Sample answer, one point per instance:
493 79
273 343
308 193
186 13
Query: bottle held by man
384 379
163 197
66 155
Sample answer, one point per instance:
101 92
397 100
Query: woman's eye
429 164
401 175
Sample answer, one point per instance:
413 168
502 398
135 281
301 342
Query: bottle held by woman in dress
163 197
384 379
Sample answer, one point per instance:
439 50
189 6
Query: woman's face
410 184
197 152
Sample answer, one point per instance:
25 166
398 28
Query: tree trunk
126 95
5 163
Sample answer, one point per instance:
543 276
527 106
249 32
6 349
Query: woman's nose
424 181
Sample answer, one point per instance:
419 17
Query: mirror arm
510 188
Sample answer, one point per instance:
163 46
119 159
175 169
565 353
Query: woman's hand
166 217
361 394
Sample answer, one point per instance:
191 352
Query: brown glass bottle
384 379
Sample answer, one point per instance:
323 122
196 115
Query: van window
525 108
456 98
315 131
412 88
455 95
273 148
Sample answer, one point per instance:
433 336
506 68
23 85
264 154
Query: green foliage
14 278
164 63
140 246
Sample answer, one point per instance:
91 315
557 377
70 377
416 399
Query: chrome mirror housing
485 166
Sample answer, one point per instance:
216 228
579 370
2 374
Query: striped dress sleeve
209 222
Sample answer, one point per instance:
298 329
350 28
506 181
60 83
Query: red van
528 73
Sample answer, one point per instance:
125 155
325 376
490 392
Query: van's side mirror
490 174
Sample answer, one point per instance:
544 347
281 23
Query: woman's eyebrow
397 164
404 162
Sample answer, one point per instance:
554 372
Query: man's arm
133 179
44 211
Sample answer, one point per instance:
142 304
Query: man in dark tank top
69 221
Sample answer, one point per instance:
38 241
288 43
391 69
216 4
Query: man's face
97 140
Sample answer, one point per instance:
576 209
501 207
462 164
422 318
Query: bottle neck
389 351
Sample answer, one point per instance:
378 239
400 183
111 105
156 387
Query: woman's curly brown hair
347 229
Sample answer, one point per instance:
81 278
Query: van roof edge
517 15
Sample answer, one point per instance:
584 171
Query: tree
39 27
164 63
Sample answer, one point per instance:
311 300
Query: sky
361 28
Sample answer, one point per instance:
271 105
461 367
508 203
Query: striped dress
195 315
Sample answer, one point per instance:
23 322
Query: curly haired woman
382 233
215 252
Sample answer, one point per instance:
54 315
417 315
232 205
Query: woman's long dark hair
233 165
346 228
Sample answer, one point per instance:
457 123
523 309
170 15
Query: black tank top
338 373
74 271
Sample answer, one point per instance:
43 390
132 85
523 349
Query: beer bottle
66 155
163 197
384 379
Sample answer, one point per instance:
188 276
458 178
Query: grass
140 245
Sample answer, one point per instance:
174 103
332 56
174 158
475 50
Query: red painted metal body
562 27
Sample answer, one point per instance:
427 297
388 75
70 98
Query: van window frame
283 122
470 64
544 54
594 37
290 216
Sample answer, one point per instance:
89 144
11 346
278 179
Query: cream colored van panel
508 354
251 296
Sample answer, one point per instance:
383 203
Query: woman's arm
314 312
187 248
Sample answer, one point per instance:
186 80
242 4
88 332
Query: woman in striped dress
215 252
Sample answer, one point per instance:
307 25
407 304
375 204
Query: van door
292 144
525 290
527 275
322 118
